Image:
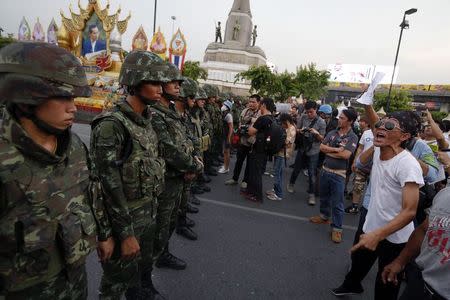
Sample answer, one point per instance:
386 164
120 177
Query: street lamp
154 17
403 25
173 23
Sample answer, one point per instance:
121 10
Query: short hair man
93 44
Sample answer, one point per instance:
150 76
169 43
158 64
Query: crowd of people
155 150
396 164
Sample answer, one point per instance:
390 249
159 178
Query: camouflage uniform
124 148
215 117
47 225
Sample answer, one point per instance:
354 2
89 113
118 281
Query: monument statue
218 33
236 30
254 36
1 31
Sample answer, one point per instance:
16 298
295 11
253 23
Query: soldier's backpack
275 139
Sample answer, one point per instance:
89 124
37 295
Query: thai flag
177 60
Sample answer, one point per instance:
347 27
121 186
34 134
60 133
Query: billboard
354 73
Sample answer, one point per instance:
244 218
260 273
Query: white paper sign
367 97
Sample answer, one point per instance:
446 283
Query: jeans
241 155
362 261
278 167
332 198
310 162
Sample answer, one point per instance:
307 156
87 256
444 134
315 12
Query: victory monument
237 52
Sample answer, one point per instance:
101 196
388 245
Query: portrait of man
158 44
92 43
178 46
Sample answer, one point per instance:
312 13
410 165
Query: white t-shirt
387 181
366 139
228 118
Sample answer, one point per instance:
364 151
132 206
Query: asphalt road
253 251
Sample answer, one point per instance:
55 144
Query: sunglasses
388 124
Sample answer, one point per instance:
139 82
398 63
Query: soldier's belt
205 143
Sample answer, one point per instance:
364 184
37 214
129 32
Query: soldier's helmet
32 72
201 94
188 88
172 73
140 66
211 90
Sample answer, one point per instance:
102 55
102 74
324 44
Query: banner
177 50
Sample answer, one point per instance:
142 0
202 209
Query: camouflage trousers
120 275
184 199
60 287
168 205
359 182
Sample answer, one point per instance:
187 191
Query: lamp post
403 25
173 23
154 17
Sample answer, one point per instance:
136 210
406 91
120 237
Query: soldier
211 156
124 148
181 165
47 227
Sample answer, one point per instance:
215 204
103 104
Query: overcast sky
291 32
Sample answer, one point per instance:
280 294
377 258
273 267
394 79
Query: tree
193 70
400 100
263 81
5 41
311 82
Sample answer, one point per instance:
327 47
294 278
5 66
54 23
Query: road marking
266 212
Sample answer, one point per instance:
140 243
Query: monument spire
241 6
239 24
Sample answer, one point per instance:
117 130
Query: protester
257 158
394 196
428 246
310 133
338 146
361 176
247 118
433 135
280 158
227 119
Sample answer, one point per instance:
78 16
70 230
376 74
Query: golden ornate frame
76 24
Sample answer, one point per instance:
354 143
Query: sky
291 32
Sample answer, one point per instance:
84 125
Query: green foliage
5 41
308 81
193 70
438 115
400 100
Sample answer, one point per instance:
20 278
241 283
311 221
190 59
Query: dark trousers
309 162
241 155
362 261
256 163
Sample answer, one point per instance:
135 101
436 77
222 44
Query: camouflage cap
32 72
211 90
172 73
141 66
188 88
201 94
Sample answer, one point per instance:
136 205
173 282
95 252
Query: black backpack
275 138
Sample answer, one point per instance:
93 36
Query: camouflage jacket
125 158
46 219
216 118
176 146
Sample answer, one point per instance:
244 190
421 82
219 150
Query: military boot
205 178
148 289
194 200
211 171
197 190
191 209
185 221
135 293
187 232
167 260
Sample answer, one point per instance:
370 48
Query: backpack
275 139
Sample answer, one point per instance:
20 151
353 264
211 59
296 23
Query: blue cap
326 109
228 104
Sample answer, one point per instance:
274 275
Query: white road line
263 211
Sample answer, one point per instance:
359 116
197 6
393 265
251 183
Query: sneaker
336 236
274 197
266 173
312 199
243 185
222 170
347 291
290 188
305 172
319 220
231 182
352 209
270 192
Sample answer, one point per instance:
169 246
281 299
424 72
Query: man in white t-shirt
361 176
396 177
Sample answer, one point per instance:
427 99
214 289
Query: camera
243 130
336 143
